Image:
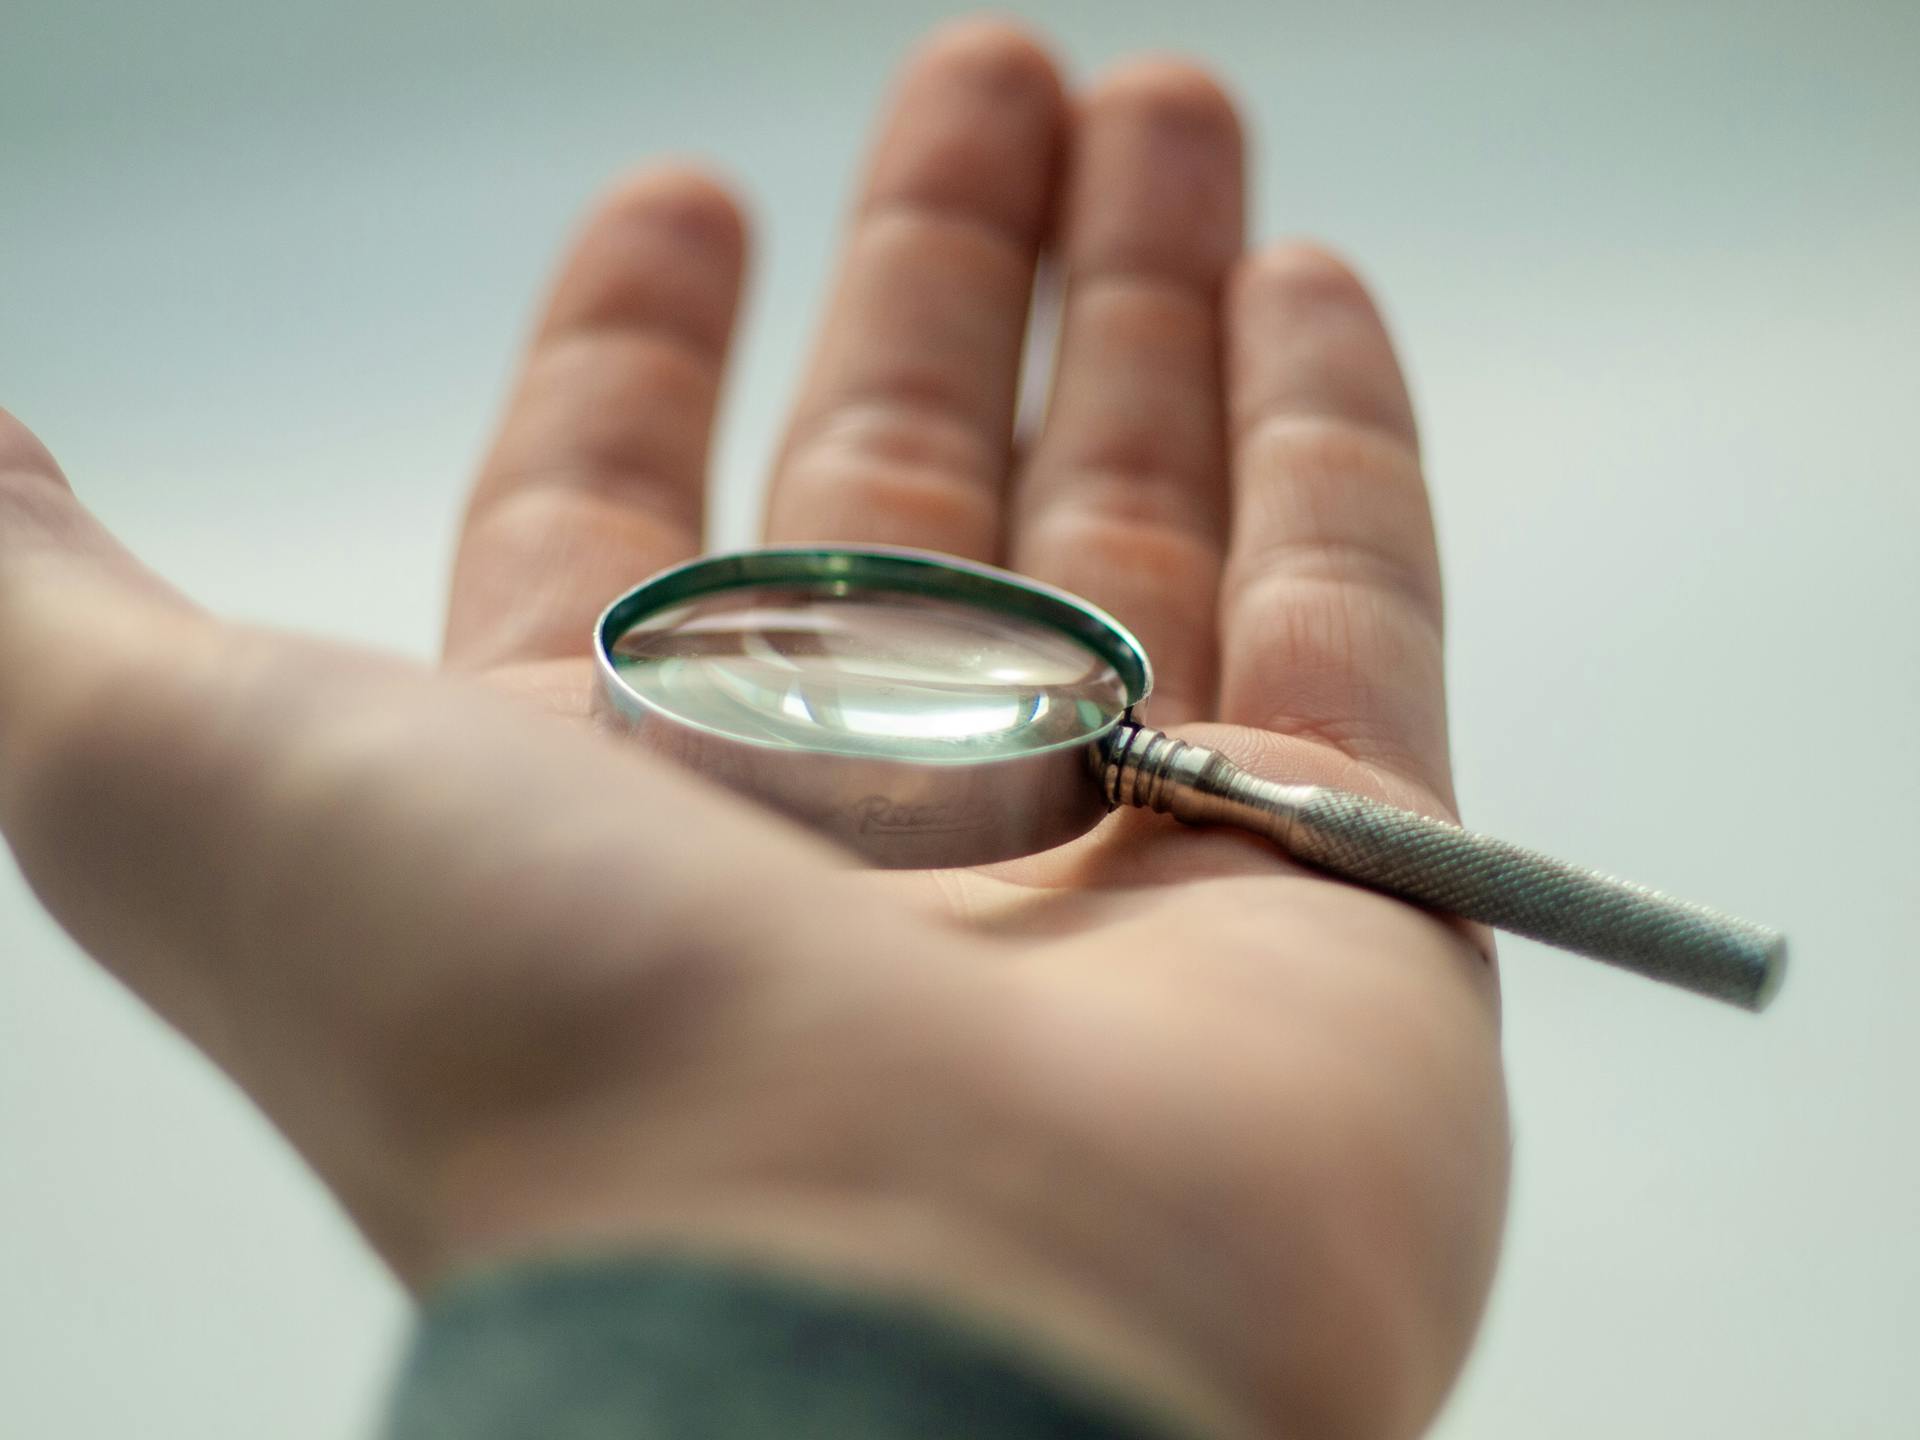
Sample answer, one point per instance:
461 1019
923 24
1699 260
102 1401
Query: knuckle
1317 453
918 426
1336 502
604 374
890 473
1160 554
1136 490
983 262
1347 663
1358 567
617 415
879 503
1306 337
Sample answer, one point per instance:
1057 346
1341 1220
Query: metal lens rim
878 569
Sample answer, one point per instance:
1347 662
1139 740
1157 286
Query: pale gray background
262 272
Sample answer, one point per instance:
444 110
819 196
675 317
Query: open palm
1229 1135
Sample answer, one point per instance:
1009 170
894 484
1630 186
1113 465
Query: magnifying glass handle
1445 868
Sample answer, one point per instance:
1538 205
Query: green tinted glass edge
876 568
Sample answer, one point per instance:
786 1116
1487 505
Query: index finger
598 476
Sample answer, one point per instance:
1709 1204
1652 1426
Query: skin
1227 1138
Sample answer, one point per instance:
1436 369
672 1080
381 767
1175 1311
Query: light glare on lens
883 673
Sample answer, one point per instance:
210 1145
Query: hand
1224 1132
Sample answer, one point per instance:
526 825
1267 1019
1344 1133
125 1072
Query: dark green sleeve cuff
664 1348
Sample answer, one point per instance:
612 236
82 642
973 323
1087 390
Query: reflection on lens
870 672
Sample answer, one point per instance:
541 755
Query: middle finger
903 425
1124 499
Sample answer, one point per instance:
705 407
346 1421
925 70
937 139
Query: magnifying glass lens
877 673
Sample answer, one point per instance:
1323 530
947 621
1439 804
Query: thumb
45 529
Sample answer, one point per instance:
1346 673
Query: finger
1124 499
597 479
387 902
1330 606
903 424
46 532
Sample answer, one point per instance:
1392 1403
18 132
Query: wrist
900 1250
946 1173
681 1344
916 1171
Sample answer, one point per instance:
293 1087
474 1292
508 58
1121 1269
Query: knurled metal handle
1443 867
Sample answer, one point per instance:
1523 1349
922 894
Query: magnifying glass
926 711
